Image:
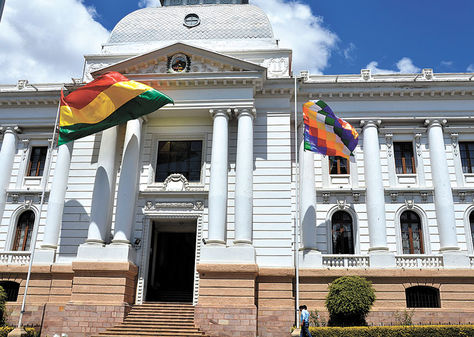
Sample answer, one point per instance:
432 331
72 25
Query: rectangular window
338 165
37 161
467 156
182 157
404 159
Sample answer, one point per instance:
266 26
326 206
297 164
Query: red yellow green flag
109 100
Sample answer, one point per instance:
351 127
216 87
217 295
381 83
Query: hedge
396 331
5 330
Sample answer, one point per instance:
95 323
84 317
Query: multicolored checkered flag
325 133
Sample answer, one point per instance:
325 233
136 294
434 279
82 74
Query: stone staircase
157 319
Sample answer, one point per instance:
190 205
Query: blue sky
436 34
45 40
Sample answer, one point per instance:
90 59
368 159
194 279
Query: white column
307 198
244 177
218 182
375 200
128 183
443 195
104 188
7 155
57 196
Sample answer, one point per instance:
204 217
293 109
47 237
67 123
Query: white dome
217 22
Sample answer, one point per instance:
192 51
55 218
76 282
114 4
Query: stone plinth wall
81 320
275 323
79 299
227 322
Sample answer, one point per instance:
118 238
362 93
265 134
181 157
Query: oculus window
338 165
182 157
422 297
412 236
342 233
23 232
404 159
37 161
467 156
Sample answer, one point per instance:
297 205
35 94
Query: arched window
24 229
422 297
471 222
342 233
11 289
412 236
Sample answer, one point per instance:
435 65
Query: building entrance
172 258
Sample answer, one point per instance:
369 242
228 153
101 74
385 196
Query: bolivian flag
109 100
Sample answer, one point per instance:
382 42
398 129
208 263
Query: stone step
158 321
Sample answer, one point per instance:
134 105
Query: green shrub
5 330
349 301
396 331
3 299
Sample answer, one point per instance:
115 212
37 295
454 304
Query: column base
381 259
455 259
310 258
221 254
45 256
90 252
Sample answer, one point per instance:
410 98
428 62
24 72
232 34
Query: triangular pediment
180 58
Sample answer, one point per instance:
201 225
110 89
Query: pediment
178 59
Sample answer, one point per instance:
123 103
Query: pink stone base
227 322
72 319
275 323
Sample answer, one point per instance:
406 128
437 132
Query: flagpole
297 211
35 232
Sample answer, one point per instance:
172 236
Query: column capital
10 128
370 123
251 111
225 112
435 122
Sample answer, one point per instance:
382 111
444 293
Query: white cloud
349 50
470 68
45 40
405 66
149 3
299 29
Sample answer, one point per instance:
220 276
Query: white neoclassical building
206 201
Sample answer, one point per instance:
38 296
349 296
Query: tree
349 301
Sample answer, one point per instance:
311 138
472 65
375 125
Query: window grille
182 157
404 159
467 156
342 233
412 236
338 165
422 297
37 161
23 231
11 289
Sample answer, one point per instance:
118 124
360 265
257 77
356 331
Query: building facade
198 201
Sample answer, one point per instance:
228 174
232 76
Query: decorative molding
410 204
427 74
174 207
418 143
394 196
365 74
462 195
424 195
326 196
25 197
389 142
455 143
21 84
341 204
356 196
26 144
176 182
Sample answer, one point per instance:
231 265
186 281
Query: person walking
304 320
